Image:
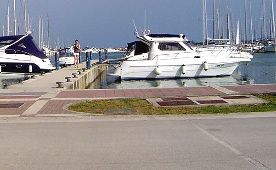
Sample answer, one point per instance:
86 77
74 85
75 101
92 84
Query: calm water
7 79
261 70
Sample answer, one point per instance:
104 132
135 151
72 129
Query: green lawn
144 108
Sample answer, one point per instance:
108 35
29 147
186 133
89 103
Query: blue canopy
24 46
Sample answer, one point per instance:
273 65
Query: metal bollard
74 75
59 84
42 73
56 61
5 86
68 79
88 62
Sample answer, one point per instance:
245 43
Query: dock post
100 57
56 61
88 62
79 57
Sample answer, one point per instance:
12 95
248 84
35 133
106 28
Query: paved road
146 142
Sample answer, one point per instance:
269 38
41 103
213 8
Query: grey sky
108 23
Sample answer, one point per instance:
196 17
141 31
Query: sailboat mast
204 21
272 22
8 21
238 33
251 23
48 31
14 15
39 32
25 16
228 26
245 22
264 23
219 20
42 33
214 13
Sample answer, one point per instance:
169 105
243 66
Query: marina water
261 70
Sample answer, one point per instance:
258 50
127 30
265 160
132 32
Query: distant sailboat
271 46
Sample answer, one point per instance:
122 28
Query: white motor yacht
18 53
158 56
66 56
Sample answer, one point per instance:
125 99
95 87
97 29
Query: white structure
169 56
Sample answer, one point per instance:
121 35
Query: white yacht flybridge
159 56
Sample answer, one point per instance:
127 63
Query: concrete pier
88 76
58 80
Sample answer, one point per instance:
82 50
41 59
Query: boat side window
170 47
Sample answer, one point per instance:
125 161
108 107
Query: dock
64 78
51 93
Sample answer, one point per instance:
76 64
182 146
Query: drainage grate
11 105
234 97
175 99
176 103
211 101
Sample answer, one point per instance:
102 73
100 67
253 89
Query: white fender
205 66
157 70
184 69
30 68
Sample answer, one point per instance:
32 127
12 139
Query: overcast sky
108 23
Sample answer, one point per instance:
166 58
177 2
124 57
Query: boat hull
64 61
158 56
19 53
147 70
270 48
24 64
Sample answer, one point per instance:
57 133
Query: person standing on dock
77 50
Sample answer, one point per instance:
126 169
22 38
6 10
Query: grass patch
145 108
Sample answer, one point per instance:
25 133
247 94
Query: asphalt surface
236 141
38 132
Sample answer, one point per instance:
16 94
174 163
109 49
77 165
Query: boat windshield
138 46
5 42
170 47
